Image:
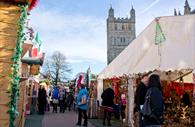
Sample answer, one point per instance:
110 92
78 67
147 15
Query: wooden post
130 103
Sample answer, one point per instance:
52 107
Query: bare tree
56 68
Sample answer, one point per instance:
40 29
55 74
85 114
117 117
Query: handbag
55 101
83 100
146 111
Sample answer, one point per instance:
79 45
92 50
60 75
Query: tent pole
130 103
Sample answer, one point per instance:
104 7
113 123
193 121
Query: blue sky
77 28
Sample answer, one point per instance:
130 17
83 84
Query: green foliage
14 87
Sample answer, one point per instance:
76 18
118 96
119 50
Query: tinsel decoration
32 4
14 87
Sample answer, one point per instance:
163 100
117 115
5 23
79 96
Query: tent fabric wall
142 54
99 89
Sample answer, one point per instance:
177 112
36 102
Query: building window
123 27
115 27
124 39
121 39
130 27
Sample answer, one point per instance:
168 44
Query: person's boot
104 123
85 124
78 124
109 124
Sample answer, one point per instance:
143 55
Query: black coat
140 96
156 106
108 97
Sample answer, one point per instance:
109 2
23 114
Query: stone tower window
130 27
124 39
115 27
123 27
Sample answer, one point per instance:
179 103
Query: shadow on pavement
98 123
34 120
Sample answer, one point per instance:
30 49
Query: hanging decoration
14 86
159 37
32 4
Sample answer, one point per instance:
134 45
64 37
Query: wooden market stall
120 88
92 103
32 65
161 49
12 21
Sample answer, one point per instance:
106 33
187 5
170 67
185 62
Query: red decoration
178 88
34 52
33 3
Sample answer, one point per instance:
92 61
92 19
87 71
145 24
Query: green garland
14 87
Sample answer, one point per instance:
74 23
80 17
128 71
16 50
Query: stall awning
33 61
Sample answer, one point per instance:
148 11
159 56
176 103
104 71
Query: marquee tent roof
142 55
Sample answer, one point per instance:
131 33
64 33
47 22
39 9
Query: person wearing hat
82 105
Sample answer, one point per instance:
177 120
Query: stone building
120 33
187 10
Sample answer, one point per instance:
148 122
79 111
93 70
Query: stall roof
142 55
33 61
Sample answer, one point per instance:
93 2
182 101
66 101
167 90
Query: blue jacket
55 93
82 92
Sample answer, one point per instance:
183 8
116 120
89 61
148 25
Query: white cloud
74 35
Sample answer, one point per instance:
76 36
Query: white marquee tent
177 52
142 55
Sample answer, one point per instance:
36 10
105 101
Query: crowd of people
148 102
59 97
55 97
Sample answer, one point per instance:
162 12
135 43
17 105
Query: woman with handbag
153 106
82 105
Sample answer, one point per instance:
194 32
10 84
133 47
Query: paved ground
67 119
98 123
34 120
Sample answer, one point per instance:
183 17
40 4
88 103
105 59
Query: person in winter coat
82 105
62 100
55 99
156 102
123 106
107 102
140 98
42 100
69 100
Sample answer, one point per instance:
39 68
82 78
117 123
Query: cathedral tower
120 33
